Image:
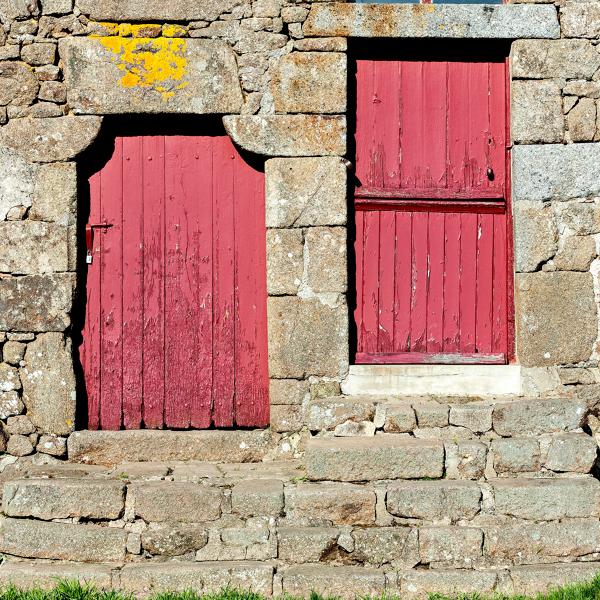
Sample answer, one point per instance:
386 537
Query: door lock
89 239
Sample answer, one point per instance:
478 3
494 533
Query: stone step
386 456
114 447
267 578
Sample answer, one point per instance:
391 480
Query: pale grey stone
289 135
288 391
572 453
159 501
310 82
553 59
18 84
326 260
536 112
294 14
476 416
442 21
353 429
305 544
450 546
307 337
19 445
431 414
323 44
540 579
419 583
465 459
49 384
330 503
55 194
328 413
198 77
31 247
20 424
536 417
53 91
49 499
52 445
10 404
578 217
173 539
547 499
62 541
49 140
206 577
397 546
581 121
340 582
156 10
259 41
266 8
13 352
254 498
285 261
37 54
56 7
434 500
372 458
580 19
36 575
9 378
286 418
303 192
516 455
399 417
525 543
575 254
17 9
36 302
559 332
16 183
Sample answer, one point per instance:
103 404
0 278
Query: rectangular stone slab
432 21
115 75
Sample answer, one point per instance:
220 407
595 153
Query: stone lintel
510 21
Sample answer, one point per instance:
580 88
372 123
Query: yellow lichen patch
146 31
172 31
125 29
158 64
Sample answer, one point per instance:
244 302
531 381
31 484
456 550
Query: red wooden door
432 250
175 334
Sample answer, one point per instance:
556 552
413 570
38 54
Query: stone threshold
430 380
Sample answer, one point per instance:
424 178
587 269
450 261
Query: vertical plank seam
162 146
122 231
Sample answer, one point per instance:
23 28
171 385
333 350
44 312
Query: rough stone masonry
277 71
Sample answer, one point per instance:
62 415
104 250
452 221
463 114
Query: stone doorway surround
278 73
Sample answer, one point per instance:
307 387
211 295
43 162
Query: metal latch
89 239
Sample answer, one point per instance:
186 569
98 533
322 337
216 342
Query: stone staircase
406 496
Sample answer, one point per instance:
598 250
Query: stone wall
277 69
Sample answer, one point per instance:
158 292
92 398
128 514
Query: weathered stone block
19 445
554 59
52 445
62 541
420 583
376 546
324 44
10 404
337 503
49 384
33 247
327 413
576 254
13 352
9 378
578 217
581 121
525 543
580 19
17 9
55 194
63 499
367 459
116 75
536 235
340 582
516 455
574 453
547 499
262 497
29 575
206 577
305 544
303 192
174 501
556 171
288 391
326 261
173 539
285 261
540 579
310 82
442 21
18 84
558 332
39 53
399 417
536 112
307 337
535 417
56 7
450 546
155 10
431 414
16 183
50 140
475 416
286 418
434 500
465 459
288 135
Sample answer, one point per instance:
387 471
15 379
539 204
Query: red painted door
432 250
175 334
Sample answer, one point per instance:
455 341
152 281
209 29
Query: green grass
72 590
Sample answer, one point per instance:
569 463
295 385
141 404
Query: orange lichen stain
158 64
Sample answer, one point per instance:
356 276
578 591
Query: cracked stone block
536 235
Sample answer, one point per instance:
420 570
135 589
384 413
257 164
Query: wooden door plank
468 282
223 284
387 256
251 345
435 293
497 111
500 286
111 315
403 281
154 281
132 283
452 235
420 282
411 126
365 74
359 244
485 260
370 311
